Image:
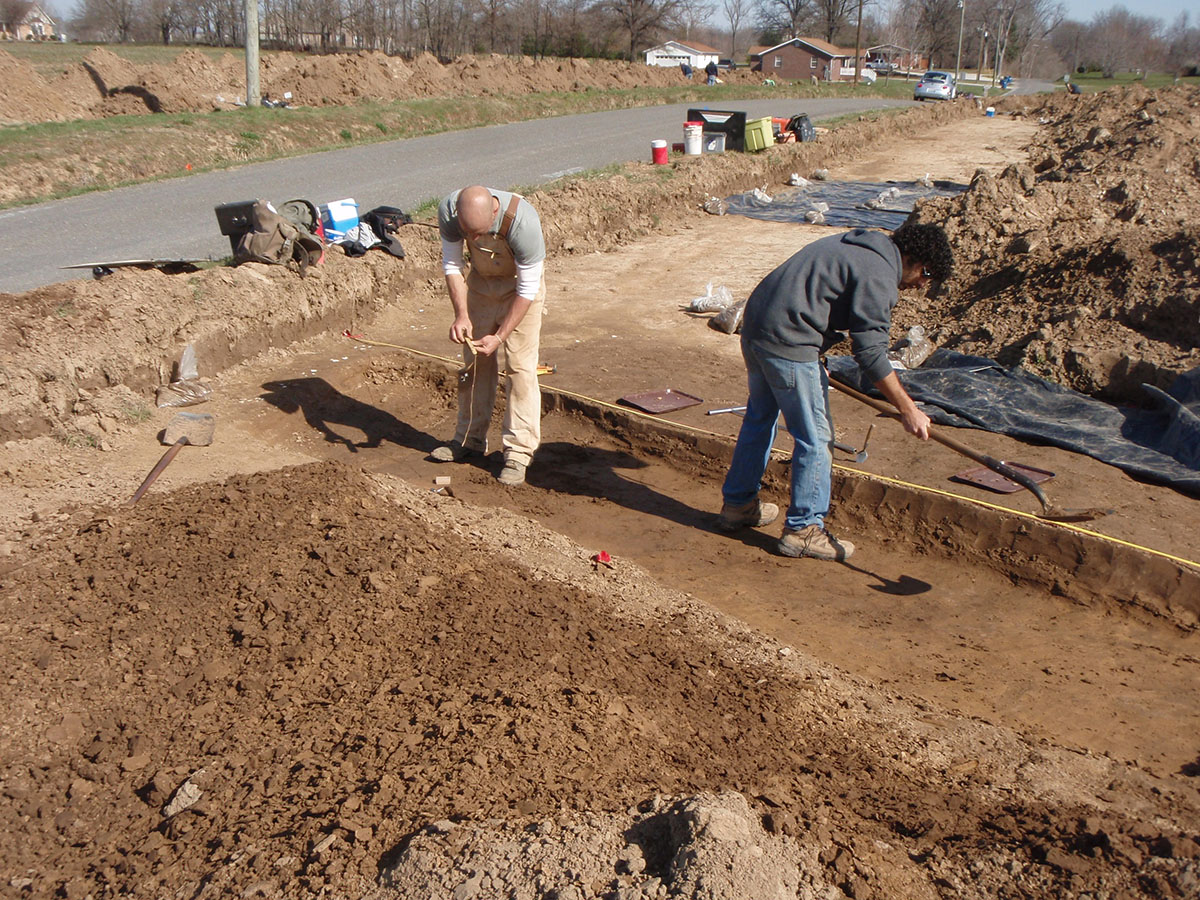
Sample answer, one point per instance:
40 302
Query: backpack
275 239
385 221
801 126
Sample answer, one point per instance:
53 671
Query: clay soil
294 669
105 84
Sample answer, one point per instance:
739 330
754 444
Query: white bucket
693 139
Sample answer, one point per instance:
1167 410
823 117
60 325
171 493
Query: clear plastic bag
187 389
714 299
729 320
913 349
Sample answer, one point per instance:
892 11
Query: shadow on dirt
324 406
595 472
904 586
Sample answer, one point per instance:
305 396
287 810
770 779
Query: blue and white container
338 217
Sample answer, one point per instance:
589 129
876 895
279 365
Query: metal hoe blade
1049 511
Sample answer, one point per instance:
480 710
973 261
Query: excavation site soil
303 665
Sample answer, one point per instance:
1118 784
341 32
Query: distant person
497 304
686 70
847 282
711 71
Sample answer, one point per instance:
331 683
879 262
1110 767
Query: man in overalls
498 303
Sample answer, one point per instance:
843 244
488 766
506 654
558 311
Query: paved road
174 218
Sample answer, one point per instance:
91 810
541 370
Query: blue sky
1166 11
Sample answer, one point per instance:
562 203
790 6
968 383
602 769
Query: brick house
33 24
800 59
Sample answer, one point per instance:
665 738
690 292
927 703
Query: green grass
1091 82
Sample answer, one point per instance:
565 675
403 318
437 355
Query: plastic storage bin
731 123
759 135
714 142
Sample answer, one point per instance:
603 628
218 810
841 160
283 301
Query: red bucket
658 152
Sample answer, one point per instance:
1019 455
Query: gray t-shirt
843 283
524 237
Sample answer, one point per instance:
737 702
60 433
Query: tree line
1021 37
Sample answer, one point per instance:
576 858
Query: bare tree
110 19
832 16
786 17
1122 41
165 17
641 18
735 11
1183 48
693 14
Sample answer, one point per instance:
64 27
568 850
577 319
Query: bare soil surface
292 669
105 84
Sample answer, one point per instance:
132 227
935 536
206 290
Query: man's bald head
477 210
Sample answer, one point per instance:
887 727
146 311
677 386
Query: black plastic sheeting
847 201
1160 443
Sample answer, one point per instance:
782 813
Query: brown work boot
750 515
816 542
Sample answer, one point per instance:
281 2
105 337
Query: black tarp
847 202
1160 443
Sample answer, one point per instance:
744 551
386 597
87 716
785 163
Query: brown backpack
272 238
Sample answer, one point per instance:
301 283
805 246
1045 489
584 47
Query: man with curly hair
846 283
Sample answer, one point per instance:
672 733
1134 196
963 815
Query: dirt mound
27 97
105 84
1082 265
278 684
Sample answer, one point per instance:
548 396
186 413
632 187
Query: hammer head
197 428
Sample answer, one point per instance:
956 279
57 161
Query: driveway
172 219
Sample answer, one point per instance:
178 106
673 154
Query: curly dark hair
928 245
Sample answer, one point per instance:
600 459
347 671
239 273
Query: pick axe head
195 429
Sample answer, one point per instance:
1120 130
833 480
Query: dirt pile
305 679
105 84
130 327
1083 265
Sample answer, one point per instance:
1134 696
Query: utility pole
253 97
962 8
858 44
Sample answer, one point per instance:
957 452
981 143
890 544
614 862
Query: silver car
936 85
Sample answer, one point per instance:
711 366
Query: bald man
498 301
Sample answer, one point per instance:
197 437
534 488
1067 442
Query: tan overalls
491 289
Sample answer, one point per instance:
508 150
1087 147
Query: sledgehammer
184 428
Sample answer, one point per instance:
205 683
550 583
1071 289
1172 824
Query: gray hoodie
847 282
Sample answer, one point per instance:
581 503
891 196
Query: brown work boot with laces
749 515
815 542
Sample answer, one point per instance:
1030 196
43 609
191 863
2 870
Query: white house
672 53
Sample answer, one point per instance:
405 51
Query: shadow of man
324 406
596 472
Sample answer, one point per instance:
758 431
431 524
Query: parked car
883 66
935 85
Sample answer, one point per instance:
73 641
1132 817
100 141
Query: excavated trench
996 615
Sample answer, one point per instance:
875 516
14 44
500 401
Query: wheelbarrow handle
157 470
997 466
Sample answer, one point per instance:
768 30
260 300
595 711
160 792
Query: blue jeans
800 390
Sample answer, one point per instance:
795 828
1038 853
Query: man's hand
461 330
486 345
916 423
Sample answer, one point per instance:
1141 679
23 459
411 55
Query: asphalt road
174 218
